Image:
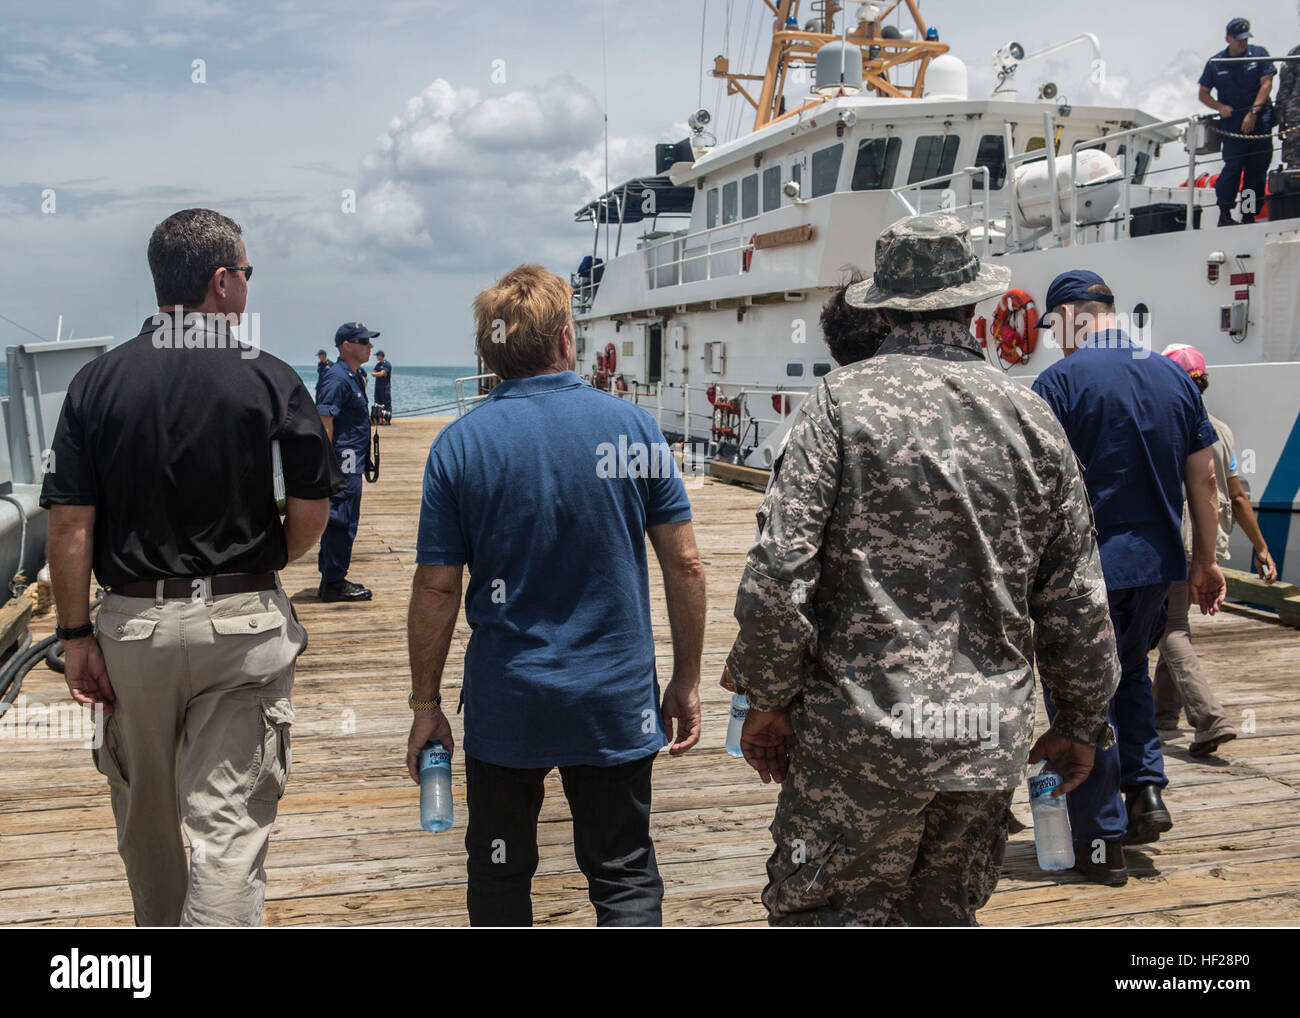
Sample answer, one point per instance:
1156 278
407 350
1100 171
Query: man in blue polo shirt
547 491
1140 431
1242 101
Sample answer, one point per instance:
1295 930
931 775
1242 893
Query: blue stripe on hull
1279 496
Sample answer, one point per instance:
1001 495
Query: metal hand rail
969 173
740 245
464 402
1189 127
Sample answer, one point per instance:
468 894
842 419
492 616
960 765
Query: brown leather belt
183 587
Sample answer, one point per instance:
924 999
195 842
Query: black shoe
1225 218
1147 816
1199 749
343 591
1110 871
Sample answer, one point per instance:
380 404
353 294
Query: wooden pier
347 849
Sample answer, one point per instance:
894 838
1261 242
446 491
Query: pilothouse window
1138 163
729 192
711 210
993 154
826 169
749 197
771 188
877 160
933 156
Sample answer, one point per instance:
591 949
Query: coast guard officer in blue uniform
1242 100
383 375
322 365
341 403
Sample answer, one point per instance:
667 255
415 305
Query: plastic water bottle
739 710
1052 836
436 813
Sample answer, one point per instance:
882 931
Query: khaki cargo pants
198 743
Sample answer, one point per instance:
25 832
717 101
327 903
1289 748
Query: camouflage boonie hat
924 263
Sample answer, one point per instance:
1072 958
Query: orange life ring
1015 345
610 358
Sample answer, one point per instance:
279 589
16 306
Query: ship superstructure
706 311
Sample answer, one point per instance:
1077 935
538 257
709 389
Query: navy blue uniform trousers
1251 158
336 542
1097 806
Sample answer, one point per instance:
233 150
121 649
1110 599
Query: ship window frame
996 162
712 208
771 173
822 368
887 162
790 373
732 186
749 196
948 147
833 178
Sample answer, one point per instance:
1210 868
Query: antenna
604 74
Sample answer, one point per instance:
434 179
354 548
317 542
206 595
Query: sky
388 160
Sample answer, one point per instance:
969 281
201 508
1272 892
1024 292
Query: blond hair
519 320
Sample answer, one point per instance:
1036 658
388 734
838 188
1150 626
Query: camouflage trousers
854 853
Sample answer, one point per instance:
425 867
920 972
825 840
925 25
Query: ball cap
925 263
1071 286
379 353
1188 357
321 352
352 331
1239 28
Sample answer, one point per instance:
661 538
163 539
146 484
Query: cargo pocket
271 769
249 624
123 628
107 755
803 868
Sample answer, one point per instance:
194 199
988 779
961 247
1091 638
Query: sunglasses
247 270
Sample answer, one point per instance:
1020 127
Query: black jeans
611 839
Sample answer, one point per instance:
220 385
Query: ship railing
465 401
1189 126
723 254
948 197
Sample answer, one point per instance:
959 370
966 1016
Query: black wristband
74 634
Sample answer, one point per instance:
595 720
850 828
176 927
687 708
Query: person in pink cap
1180 683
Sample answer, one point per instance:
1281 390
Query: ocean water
417 391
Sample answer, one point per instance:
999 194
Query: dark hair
1202 381
184 251
955 314
853 334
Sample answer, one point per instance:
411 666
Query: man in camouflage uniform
1288 108
927 536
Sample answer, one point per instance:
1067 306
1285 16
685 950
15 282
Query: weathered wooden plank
345 850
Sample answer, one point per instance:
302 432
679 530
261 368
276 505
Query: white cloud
467 181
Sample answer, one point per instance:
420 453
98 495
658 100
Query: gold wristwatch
424 705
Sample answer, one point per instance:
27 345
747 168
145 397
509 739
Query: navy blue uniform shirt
1238 84
341 395
384 383
545 490
1133 418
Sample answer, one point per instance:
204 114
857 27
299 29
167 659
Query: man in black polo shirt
162 479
